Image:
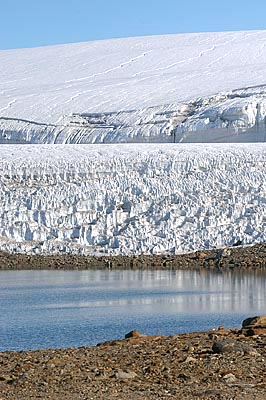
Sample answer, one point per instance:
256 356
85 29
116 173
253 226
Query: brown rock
254 326
259 321
202 255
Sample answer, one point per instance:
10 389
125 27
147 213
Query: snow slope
131 199
207 87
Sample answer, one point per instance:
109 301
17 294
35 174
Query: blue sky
30 23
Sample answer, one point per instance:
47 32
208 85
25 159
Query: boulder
258 321
231 346
254 331
133 334
125 375
254 326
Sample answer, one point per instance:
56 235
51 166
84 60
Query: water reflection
74 308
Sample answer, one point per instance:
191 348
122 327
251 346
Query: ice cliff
238 116
131 199
208 87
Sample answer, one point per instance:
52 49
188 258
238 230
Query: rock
254 326
212 336
7 378
229 378
237 243
125 375
254 331
226 252
183 376
259 321
202 255
133 334
109 343
230 346
190 359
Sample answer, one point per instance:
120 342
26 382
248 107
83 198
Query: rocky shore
219 364
248 257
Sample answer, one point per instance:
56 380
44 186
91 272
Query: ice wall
236 116
198 87
131 199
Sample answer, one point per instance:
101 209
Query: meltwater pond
44 309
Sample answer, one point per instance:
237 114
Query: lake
45 309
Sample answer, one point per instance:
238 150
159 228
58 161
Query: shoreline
182 366
230 258
216 364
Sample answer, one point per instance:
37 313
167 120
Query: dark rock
133 334
254 331
259 321
237 243
183 376
254 326
230 346
7 378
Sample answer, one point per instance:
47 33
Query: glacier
208 87
145 145
239 116
131 199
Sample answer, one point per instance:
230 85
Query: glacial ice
238 116
131 199
99 153
200 87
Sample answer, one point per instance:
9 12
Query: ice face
131 199
149 89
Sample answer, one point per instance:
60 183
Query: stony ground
221 364
249 257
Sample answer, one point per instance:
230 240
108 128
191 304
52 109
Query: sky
33 23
